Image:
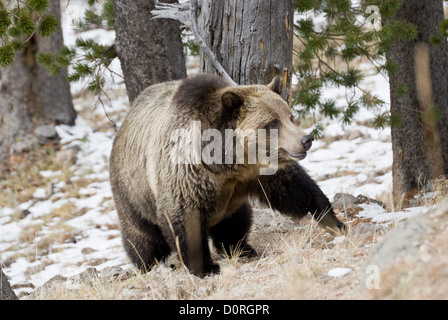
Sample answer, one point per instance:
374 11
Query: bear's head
254 116
260 110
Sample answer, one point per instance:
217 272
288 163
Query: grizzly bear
166 204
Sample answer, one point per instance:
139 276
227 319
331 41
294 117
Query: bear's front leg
197 251
187 236
291 191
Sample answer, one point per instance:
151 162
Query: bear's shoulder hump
199 89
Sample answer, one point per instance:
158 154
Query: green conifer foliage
90 60
333 36
19 21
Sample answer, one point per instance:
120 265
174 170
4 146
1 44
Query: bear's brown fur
164 206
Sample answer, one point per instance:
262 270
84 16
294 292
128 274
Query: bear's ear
276 85
231 101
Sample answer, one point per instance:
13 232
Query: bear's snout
307 141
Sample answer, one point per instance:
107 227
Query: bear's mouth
297 156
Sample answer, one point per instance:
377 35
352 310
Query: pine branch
20 21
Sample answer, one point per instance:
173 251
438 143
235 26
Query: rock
269 230
344 198
350 205
365 230
116 273
285 227
442 209
395 248
88 277
263 218
355 134
7 262
23 285
6 292
24 144
87 251
346 203
66 158
364 199
46 133
54 282
20 214
410 261
20 147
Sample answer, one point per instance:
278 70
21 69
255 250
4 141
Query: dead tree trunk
29 96
420 148
6 293
252 39
150 50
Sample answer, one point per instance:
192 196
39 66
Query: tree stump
6 293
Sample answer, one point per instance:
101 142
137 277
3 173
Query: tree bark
29 96
420 148
252 39
6 293
150 51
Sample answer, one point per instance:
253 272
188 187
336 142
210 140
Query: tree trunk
252 39
150 51
29 96
420 148
6 293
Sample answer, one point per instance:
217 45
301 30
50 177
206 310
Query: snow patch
379 215
338 272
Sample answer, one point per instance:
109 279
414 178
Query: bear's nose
307 141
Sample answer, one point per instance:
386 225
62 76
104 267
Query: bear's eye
274 124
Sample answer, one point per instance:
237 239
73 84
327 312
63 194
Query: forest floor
60 237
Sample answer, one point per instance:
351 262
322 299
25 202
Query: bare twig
176 239
179 12
139 256
203 45
267 199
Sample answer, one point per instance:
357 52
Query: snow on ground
358 166
338 272
92 231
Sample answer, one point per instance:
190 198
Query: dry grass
431 194
30 232
65 212
87 287
40 239
20 176
291 265
55 235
